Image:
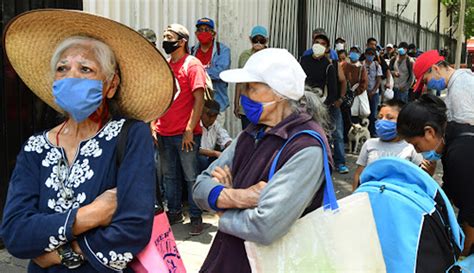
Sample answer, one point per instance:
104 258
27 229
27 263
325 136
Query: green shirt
244 57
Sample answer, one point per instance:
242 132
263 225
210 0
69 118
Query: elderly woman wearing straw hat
254 205
72 202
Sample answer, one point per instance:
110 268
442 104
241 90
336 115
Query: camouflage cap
148 34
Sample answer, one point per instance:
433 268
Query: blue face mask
78 97
431 155
402 51
370 58
386 129
354 56
436 84
253 110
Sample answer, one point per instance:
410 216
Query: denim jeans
401 95
374 104
337 135
171 156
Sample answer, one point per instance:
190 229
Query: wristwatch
69 258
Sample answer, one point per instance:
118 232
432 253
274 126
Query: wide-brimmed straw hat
146 81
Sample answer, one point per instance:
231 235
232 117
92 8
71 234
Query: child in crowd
388 142
213 135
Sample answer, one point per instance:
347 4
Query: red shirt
206 57
175 120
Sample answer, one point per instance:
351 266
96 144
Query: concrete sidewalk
194 249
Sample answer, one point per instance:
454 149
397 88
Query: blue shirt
38 219
220 61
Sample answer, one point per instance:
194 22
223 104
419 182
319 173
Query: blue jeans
400 95
171 156
374 104
337 135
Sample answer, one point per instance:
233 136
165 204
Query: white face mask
318 50
339 46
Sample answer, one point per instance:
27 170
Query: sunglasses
259 40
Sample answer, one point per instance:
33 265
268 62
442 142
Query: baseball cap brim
239 75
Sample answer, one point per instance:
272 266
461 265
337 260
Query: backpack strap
329 200
121 148
122 140
218 47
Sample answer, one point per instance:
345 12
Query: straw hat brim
146 81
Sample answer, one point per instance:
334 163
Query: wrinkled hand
252 194
223 176
47 259
105 206
188 141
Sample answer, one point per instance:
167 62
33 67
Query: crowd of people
98 218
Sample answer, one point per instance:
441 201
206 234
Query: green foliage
453 5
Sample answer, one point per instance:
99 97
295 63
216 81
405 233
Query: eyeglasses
259 40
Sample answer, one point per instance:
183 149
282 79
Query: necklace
66 193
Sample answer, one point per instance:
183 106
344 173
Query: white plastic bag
339 237
388 94
345 240
360 106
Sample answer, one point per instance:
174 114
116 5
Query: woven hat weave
146 81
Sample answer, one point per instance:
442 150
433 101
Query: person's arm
219 63
223 138
378 81
281 202
342 80
209 153
111 248
388 74
364 81
356 182
197 81
28 233
331 81
188 135
361 162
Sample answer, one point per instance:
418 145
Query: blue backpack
415 221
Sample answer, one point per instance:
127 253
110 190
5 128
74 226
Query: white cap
389 45
275 67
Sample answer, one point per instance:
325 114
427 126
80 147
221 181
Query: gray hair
105 56
313 105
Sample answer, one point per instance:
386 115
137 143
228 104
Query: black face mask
170 46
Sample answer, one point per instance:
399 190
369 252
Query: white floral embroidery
80 173
51 158
56 242
36 144
91 148
116 260
112 129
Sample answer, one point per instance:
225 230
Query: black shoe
196 226
175 218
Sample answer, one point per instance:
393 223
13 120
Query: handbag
348 99
339 237
161 253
